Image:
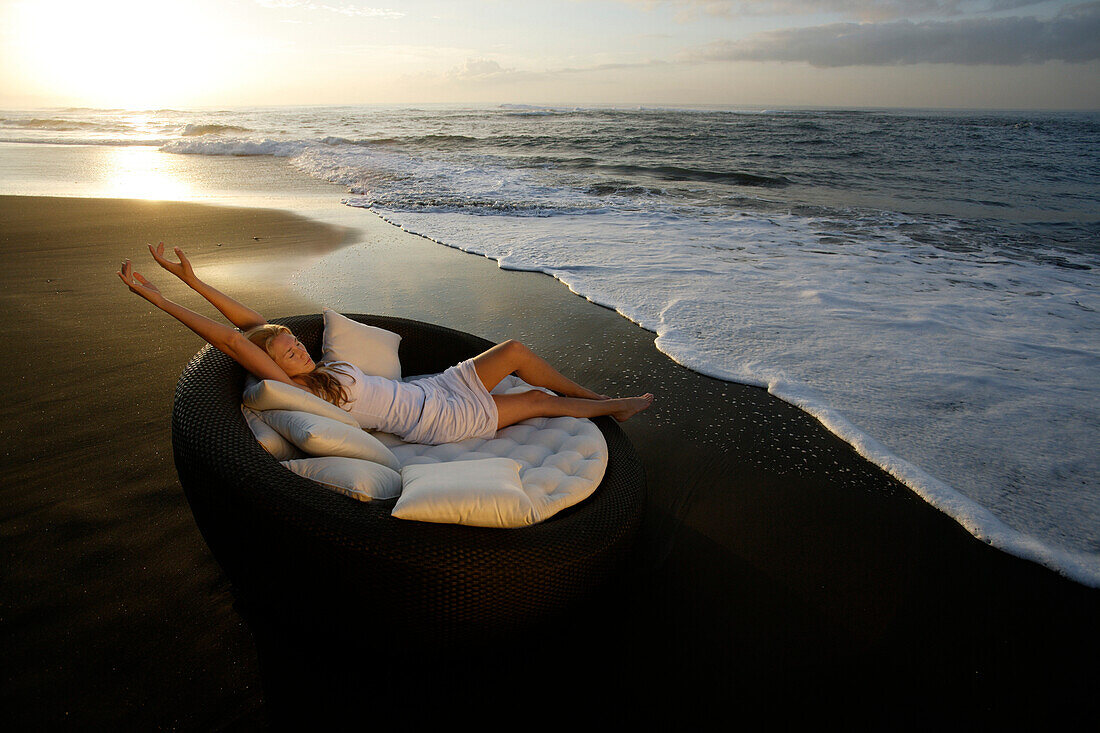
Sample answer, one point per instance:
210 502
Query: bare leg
512 356
513 408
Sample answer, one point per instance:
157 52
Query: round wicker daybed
294 549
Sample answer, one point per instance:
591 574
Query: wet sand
778 572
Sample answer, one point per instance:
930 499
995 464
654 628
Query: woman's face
290 355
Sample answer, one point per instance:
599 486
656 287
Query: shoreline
772 553
977 519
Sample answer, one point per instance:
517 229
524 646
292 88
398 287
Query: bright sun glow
122 53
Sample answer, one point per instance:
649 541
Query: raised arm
239 315
220 336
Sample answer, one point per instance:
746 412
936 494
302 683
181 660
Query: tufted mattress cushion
562 459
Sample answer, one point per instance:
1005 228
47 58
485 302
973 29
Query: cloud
604 67
345 9
481 70
487 70
1072 36
861 9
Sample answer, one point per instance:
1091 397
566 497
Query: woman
442 409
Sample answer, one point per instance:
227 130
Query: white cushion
482 493
374 350
268 394
562 459
561 462
269 438
320 436
359 479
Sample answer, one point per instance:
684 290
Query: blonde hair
321 381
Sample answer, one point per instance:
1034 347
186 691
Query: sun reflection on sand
144 173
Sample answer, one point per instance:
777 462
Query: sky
999 54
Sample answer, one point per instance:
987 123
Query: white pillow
362 480
320 436
374 350
484 493
269 438
271 395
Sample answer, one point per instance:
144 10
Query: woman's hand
239 315
181 269
139 285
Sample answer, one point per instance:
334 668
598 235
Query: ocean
922 282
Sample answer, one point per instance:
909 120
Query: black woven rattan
295 548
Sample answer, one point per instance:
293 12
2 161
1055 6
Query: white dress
444 408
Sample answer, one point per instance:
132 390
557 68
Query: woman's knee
516 353
514 347
513 408
537 399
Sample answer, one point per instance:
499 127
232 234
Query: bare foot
632 406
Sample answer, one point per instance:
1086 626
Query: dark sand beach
777 572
